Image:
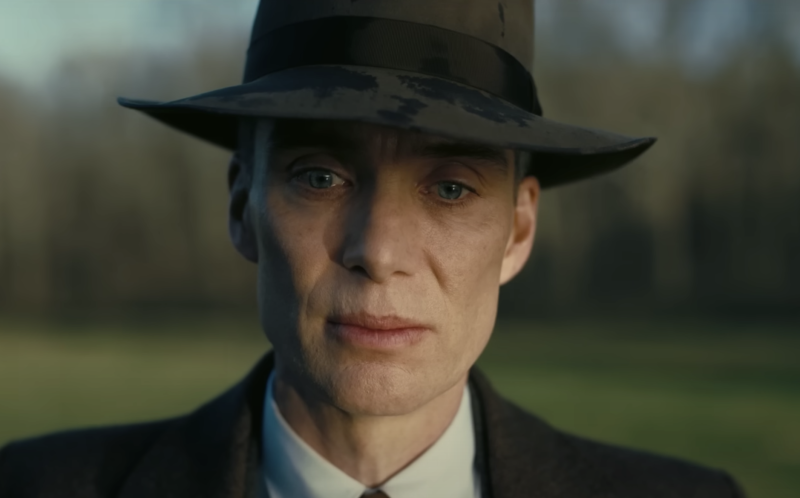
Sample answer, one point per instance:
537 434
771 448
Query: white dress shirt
292 469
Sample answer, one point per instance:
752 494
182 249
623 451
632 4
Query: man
390 156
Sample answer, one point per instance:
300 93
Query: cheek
467 255
292 260
467 259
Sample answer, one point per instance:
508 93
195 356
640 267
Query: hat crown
508 24
455 68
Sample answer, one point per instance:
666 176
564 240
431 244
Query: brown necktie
376 494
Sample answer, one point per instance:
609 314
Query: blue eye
321 179
450 191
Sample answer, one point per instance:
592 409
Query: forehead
363 138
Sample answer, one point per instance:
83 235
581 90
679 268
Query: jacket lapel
215 451
211 453
525 457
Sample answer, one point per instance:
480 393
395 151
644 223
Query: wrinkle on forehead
387 144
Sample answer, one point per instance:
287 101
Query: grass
724 395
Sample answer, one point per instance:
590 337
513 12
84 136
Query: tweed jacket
214 453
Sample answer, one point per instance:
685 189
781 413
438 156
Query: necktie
376 494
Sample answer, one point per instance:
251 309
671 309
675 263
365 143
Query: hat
454 68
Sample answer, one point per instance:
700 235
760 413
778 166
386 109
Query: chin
379 389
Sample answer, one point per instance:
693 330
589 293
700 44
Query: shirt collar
293 469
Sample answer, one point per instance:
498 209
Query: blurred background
661 308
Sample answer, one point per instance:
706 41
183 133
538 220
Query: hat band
391 44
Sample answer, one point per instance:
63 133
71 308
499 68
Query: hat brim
562 153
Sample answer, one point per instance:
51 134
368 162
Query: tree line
102 208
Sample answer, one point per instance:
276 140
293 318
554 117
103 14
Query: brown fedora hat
456 68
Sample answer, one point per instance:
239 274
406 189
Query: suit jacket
214 453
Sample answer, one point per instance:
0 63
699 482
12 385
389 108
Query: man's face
380 257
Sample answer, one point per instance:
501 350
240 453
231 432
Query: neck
370 449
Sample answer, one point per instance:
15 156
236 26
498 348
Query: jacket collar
524 456
214 451
210 453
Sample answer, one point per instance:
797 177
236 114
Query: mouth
376 332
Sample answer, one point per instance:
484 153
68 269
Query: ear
240 227
520 241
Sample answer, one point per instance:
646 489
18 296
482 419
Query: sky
35 34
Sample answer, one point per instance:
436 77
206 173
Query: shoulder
528 453
635 473
90 462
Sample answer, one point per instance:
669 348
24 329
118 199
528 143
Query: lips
376 332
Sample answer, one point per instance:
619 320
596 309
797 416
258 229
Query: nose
380 238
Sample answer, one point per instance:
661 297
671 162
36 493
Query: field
725 395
